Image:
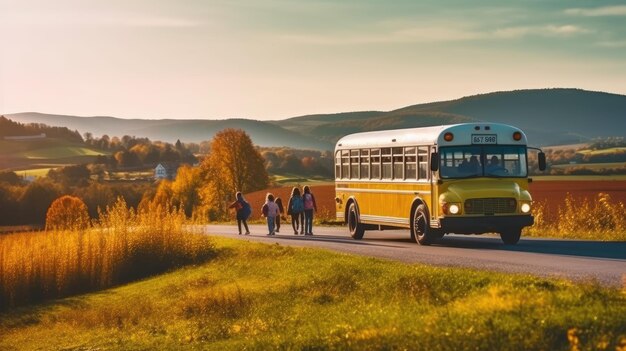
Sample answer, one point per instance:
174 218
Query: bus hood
458 191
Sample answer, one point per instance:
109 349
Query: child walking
270 211
281 212
295 208
309 207
243 209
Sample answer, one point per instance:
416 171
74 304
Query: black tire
356 228
511 236
420 227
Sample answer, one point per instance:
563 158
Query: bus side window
410 163
345 164
365 164
422 159
398 163
338 165
354 164
386 158
375 163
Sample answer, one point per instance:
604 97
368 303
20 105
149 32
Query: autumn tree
232 165
164 195
36 199
186 188
67 212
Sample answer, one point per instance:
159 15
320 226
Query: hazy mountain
262 133
549 117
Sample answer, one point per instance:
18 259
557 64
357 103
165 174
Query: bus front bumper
484 224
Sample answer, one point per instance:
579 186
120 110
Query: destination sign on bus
484 139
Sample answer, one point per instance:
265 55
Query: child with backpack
270 211
243 209
309 207
281 212
295 208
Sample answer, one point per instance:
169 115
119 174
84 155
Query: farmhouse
165 170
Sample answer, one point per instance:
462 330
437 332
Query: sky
275 59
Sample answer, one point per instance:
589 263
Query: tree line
234 164
11 128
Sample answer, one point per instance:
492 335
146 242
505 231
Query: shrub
600 218
67 213
122 246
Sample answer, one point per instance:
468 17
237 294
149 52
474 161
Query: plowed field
552 193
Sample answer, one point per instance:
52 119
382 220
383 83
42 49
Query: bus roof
431 136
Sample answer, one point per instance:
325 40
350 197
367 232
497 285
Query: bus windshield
483 161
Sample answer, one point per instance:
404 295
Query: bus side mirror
434 161
541 157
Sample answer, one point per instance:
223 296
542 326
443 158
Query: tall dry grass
121 246
598 218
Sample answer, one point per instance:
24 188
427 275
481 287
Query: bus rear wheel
511 236
420 228
357 230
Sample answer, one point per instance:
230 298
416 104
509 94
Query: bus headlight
525 207
450 208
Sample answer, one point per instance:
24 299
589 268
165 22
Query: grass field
269 297
298 180
48 153
57 152
609 151
593 166
34 172
570 178
554 218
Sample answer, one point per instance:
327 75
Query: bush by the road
121 247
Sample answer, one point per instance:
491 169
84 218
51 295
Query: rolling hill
44 153
549 117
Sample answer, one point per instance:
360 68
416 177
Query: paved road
573 259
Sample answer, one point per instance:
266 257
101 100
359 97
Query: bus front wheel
511 236
420 229
354 225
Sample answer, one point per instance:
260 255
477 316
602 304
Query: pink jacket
272 209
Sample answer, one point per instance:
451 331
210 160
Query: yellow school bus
467 178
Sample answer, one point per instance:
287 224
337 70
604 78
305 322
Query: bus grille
490 205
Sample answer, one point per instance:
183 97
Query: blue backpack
247 210
297 205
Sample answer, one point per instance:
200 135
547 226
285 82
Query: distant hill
548 116
170 130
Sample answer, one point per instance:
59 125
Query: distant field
24 156
58 152
610 151
547 189
594 166
35 172
601 178
294 180
324 198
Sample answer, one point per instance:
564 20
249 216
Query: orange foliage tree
233 164
67 212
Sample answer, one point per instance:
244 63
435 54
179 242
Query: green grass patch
609 151
579 177
295 179
263 297
594 166
59 152
35 172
